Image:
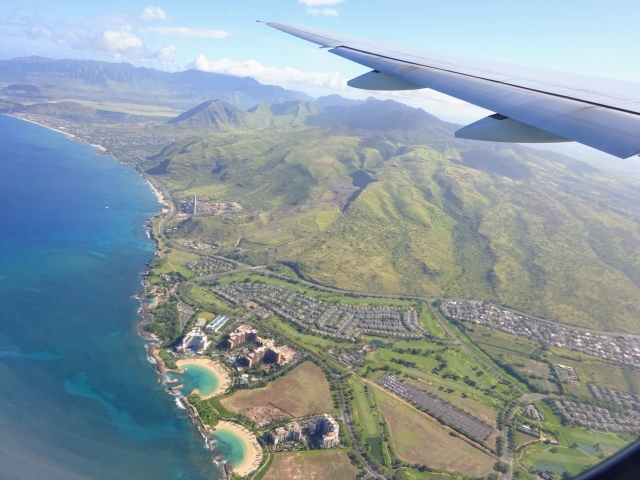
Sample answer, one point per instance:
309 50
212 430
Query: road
506 456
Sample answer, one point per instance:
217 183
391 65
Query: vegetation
205 410
442 217
166 323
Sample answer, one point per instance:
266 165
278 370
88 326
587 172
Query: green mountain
382 197
214 115
44 78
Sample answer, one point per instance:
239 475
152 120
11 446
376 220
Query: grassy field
130 108
208 300
175 261
320 294
303 391
367 419
573 460
455 361
432 326
317 344
411 431
311 465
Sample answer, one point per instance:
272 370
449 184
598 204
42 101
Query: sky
589 37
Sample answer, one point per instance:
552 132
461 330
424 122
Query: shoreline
253 456
216 368
253 451
69 135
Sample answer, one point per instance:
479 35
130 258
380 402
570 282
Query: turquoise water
196 376
78 398
230 445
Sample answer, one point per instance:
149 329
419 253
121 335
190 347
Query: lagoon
197 377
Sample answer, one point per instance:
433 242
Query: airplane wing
532 105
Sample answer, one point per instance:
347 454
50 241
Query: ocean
79 399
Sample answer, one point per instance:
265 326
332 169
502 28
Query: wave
179 403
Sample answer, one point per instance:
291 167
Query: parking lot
437 407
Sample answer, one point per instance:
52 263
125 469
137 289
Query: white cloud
317 3
184 32
270 75
166 52
122 40
327 12
154 13
318 84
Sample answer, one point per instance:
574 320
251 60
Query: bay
78 398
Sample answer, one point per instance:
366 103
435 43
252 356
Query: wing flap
619 94
498 128
601 113
609 130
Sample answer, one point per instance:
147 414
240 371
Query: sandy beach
158 194
70 135
253 455
215 367
42 125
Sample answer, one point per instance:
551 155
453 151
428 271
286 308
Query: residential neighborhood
621 349
598 418
338 320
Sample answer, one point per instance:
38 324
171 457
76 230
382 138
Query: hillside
436 216
214 115
44 78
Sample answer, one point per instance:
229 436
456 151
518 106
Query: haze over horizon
223 38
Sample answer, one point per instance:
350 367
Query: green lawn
175 261
432 326
457 360
365 419
573 460
312 292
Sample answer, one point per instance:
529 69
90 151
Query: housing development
598 418
617 348
341 321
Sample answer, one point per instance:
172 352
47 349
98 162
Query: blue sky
592 37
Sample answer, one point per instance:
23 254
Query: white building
196 340
328 431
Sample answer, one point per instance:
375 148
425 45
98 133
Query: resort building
290 432
266 352
196 340
327 431
242 334
217 324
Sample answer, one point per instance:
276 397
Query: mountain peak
217 115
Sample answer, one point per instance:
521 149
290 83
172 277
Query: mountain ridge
124 82
445 217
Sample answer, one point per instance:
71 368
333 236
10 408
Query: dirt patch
312 465
303 391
